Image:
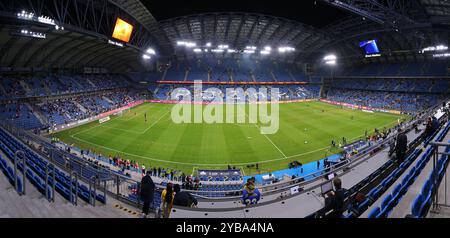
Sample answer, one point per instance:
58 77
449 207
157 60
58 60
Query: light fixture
329 57
151 51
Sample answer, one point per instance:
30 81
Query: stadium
122 109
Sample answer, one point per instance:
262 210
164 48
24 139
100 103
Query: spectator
428 128
167 197
335 200
147 193
183 198
401 147
250 194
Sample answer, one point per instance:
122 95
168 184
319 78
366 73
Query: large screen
122 30
370 47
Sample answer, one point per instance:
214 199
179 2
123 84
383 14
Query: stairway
108 100
164 74
274 78
2 89
291 76
34 205
80 106
25 86
252 76
42 119
186 75
91 83
47 89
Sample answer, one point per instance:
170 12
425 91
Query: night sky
310 12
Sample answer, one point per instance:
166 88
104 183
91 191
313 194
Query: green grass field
160 142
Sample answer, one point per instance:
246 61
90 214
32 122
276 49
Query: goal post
122 112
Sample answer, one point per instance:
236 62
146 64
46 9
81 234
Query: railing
74 199
24 174
21 135
52 199
93 183
436 204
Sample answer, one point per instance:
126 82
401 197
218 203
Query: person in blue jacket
250 194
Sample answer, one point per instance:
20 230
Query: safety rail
47 173
436 204
51 167
24 174
74 199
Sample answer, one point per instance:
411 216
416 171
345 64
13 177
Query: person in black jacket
335 200
401 147
184 198
147 192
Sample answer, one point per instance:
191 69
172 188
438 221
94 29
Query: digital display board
122 30
370 47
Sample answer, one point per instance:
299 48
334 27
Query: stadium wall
59 128
353 106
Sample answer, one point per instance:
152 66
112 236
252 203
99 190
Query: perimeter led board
122 30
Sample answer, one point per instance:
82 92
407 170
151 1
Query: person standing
401 147
147 193
167 197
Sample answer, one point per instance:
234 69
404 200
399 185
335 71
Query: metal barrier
16 179
52 199
74 199
436 204
93 181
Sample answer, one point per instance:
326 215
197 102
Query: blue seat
416 206
386 205
374 193
396 194
374 213
363 205
387 182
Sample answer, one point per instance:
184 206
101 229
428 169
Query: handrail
74 199
52 199
104 190
93 178
16 179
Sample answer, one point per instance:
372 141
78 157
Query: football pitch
305 133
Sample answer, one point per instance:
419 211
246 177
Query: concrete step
34 205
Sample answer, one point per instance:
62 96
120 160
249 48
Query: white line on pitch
256 125
156 122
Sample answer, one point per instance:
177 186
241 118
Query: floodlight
151 51
330 58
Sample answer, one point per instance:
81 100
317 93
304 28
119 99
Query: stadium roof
238 30
402 28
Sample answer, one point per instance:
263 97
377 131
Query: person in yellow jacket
167 197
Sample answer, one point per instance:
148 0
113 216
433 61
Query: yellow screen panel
122 30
